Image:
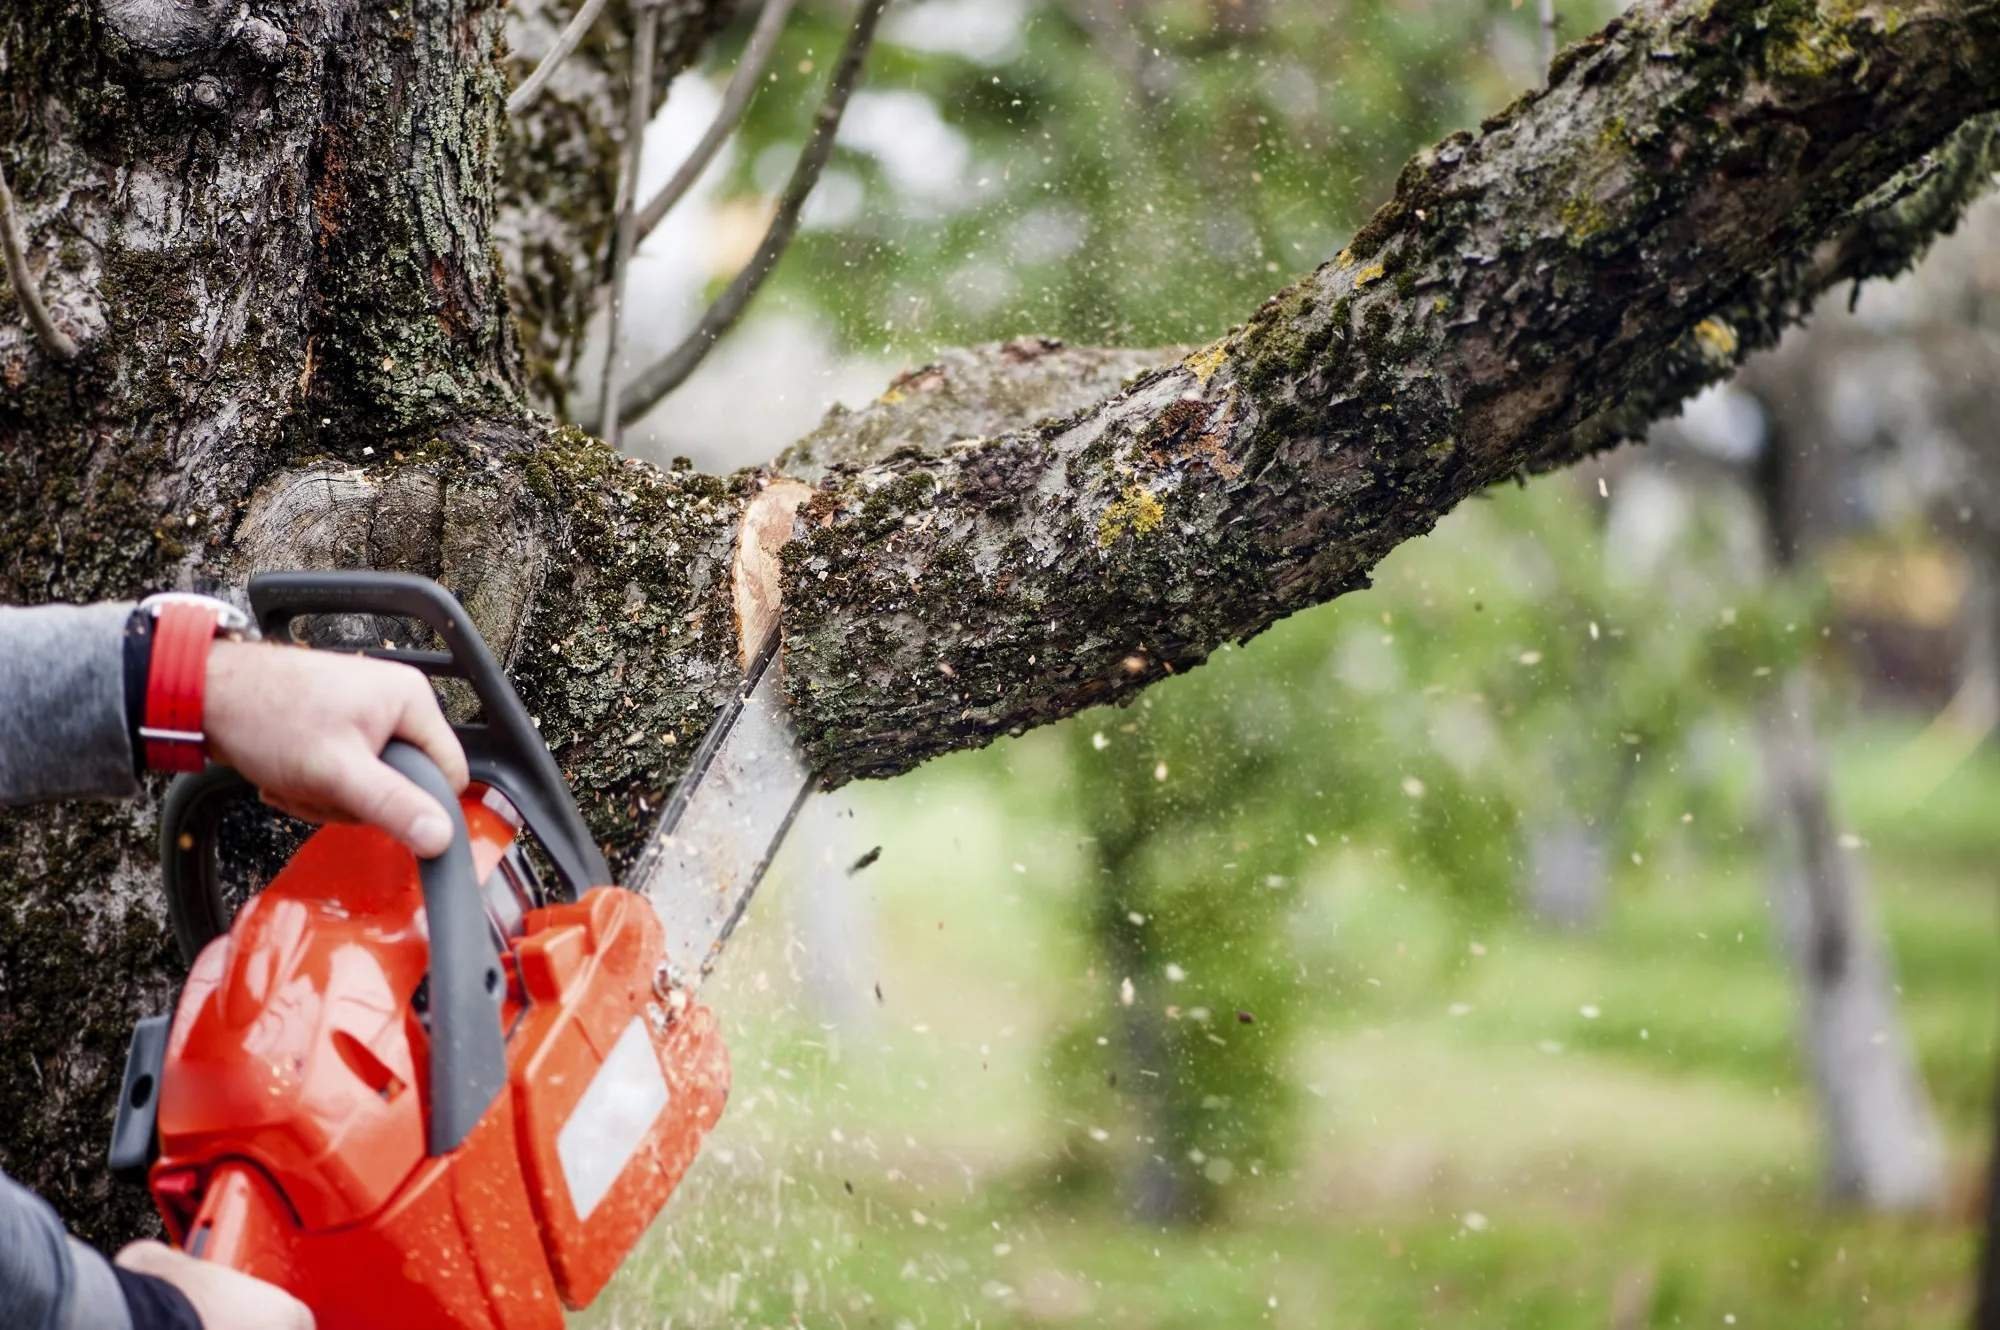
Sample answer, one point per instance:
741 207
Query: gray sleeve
49 1280
62 703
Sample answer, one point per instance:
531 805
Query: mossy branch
1682 190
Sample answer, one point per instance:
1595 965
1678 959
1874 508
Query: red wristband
176 685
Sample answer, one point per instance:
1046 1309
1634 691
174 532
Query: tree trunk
1568 872
1882 1144
1883 1149
278 239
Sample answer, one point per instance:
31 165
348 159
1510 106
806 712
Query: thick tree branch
1657 209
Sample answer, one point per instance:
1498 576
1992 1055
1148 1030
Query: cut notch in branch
53 339
736 99
672 370
755 575
566 41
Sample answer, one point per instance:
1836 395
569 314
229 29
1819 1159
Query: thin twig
639 110
1547 10
736 99
54 340
566 41
672 370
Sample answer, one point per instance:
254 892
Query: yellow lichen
1582 218
1344 259
1813 54
892 397
1368 274
1810 37
1209 359
1717 340
1135 512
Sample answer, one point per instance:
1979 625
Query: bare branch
566 41
670 372
1547 13
639 112
54 340
736 99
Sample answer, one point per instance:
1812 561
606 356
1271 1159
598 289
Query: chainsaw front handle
190 824
504 750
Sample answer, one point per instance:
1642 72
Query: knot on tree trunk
171 29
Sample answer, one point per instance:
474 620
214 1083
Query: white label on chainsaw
610 1122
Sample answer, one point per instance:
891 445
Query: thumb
368 790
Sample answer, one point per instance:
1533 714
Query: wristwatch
166 675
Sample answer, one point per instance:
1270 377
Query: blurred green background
1420 962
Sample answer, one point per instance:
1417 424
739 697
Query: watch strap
176 686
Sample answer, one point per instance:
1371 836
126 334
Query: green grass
1501 1127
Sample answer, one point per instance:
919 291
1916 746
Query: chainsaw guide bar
723 823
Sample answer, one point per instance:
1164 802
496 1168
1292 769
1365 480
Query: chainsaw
451 1092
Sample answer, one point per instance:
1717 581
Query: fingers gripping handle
506 749
468 1053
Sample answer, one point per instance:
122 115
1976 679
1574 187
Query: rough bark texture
276 238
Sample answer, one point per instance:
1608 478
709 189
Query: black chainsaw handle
506 750
468 1054
190 822
468 1049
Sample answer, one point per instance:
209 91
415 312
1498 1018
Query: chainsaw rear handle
244 1223
468 1055
505 750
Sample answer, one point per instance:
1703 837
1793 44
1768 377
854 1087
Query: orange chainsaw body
293 1098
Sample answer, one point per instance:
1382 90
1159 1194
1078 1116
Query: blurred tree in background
1527 672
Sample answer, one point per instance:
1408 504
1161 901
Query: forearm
48 1280
63 730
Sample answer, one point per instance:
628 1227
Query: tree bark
276 241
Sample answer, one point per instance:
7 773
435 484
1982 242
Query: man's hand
307 729
224 1299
